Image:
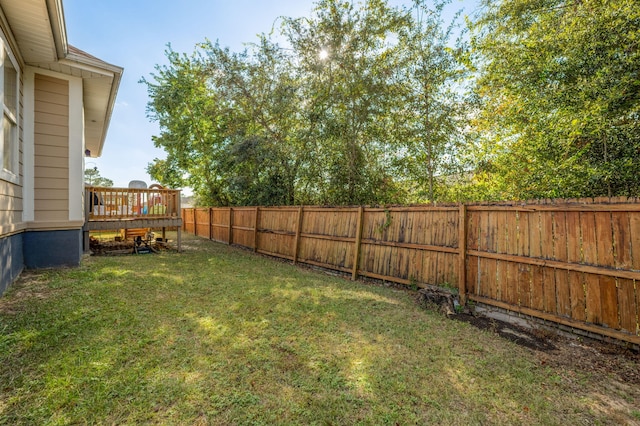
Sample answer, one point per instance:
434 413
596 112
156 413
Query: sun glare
323 54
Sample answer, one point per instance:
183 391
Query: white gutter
58 27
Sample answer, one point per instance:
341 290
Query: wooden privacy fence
573 263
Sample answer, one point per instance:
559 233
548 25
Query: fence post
193 215
298 229
195 221
230 226
180 212
210 223
462 254
255 230
356 251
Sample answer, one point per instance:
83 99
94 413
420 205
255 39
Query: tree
560 89
92 178
346 60
227 123
194 121
343 115
262 156
432 117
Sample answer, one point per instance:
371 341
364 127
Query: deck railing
106 204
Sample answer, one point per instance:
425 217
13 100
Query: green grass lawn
217 335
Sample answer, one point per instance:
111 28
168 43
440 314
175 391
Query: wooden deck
127 209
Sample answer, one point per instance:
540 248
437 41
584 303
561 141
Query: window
9 134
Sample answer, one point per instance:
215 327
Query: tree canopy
559 85
372 104
92 177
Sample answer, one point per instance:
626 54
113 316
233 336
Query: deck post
85 231
86 241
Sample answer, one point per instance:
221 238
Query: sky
134 34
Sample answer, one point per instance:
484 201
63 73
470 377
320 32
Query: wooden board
537 288
592 289
524 285
609 302
604 236
549 290
563 293
589 239
622 240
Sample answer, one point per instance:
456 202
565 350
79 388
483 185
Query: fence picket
628 305
534 249
524 285
609 302
563 293
549 290
634 233
604 232
560 236
621 240
589 239
537 288
594 310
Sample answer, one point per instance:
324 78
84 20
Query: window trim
13 175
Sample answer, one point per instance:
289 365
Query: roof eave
112 102
87 62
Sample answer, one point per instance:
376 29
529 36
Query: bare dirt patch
607 374
580 354
519 335
30 285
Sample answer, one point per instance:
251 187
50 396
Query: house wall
49 249
11 219
10 208
41 215
11 225
11 259
51 150
41 205
11 199
54 232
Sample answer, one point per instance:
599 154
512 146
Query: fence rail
573 262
